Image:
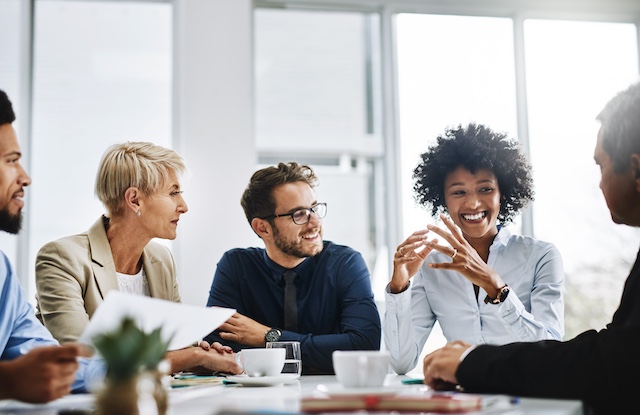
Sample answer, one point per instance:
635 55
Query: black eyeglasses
302 216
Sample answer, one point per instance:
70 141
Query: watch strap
502 295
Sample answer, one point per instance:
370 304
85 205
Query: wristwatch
502 295
273 335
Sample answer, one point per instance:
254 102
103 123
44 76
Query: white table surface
212 399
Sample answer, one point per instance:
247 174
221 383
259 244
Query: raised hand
407 261
464 258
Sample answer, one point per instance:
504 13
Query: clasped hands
464 258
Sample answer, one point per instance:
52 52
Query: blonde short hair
134 164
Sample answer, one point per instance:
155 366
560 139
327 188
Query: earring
138 212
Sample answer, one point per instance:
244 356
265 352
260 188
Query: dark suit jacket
600 368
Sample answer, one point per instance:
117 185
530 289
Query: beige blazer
73 274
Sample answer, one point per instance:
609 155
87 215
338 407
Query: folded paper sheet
184 324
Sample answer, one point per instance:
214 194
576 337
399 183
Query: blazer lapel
155 275
104 269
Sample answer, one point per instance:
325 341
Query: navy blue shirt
336 310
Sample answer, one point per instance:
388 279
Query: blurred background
355 88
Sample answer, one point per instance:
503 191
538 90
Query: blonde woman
138 184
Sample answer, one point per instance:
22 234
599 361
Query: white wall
214 132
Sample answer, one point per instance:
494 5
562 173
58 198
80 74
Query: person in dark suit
600 368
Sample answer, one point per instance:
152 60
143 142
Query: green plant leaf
127 350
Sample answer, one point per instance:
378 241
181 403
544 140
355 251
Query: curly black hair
7 116
474 147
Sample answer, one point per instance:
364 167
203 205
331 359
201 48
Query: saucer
247 380
336 389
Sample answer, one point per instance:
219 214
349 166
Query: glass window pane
573 69
451 70
313 80
102 75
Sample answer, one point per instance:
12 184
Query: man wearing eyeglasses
299 287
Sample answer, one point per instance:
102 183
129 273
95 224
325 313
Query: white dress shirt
533 310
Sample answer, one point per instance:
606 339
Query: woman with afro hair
480 282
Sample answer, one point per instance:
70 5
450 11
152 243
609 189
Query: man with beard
600 368
33 367
333 306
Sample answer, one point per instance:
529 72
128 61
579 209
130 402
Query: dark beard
10 223
291 248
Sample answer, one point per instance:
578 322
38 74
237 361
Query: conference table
279 399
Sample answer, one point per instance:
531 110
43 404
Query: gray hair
134 164
620 127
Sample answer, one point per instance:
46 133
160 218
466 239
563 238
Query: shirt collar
277 270
502 238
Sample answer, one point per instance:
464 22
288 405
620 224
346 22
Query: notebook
422 401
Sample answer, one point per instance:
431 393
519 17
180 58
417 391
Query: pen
500 402
195 376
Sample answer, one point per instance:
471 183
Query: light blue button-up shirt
20 330
533 310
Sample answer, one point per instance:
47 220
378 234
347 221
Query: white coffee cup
261 362
361 368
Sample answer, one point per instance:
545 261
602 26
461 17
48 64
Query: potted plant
133 360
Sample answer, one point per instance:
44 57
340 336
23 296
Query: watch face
273 335
503 294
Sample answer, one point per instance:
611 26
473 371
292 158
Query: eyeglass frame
309 210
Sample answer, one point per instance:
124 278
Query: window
451 70
573 69
102 75
457 69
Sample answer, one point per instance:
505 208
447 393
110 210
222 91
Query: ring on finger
454 253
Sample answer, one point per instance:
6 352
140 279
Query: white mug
261 362
361 368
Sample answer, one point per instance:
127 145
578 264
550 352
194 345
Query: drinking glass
293 358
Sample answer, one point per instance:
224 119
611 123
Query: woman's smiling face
473 202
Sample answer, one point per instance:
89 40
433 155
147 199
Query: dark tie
290 301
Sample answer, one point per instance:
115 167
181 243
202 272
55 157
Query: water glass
293 357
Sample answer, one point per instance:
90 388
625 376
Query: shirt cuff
388 289
466 353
